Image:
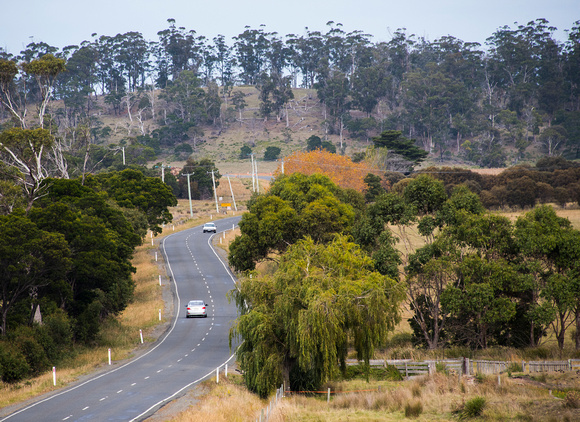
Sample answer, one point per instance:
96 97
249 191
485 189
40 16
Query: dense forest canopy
454 98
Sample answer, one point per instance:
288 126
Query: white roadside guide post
141 335
54 375
109 357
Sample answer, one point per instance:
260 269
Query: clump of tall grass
471 408
572 400
413 409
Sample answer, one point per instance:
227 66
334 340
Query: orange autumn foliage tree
339 168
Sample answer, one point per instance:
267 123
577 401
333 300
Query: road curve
189 352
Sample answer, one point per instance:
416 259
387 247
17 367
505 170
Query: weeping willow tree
297 324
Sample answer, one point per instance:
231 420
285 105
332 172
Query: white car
196 308
209 227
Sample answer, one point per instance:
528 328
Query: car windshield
196 303
210 224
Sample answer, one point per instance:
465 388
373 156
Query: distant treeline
492 105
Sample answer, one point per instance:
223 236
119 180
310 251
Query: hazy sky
69 22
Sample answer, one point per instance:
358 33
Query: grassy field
441 397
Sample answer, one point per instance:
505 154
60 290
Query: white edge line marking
176 318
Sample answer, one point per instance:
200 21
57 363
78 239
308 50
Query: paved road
189 352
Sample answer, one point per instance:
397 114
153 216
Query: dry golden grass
439 398
225 402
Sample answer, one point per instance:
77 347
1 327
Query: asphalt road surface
189 352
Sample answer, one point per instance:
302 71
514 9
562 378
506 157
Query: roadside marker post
141 335
54 375
109 357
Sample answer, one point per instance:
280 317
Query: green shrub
400 340
13 365
473 408
514 367
393 373
26 340
480 378
413 409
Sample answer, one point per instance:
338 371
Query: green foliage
374 187
398 144
295 206
314 142
425 193
298 322
272 153
201 183
132 189
473 408
245 152
13 364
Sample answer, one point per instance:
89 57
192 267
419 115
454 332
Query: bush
13 365
26 340
572 400
413 409
272 153
514 367
473 408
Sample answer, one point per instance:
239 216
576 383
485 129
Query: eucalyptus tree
275 93
26 152
251 47
30 259
224 62
550 249
42 73
572 63
132 53
369 85
179 50
307 54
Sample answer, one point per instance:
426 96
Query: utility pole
232 192
253 180
214 192
189 192
256 173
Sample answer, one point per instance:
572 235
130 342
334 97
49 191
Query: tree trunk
577 335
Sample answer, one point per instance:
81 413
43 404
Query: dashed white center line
85 408
160 370
104 398
119 391
179 360
133 384
146 378
68 417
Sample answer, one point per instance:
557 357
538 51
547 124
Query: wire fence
465 366
267 411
